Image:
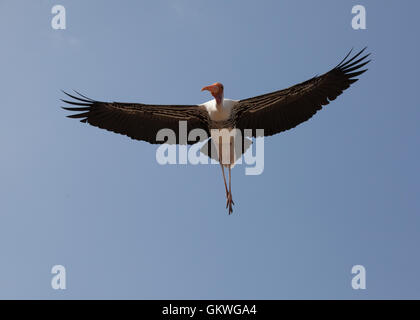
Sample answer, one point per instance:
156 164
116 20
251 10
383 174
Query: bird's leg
221 166
230 201
224 178
231 161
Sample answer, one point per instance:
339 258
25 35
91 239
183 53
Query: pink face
216 91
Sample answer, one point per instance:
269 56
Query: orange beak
214 89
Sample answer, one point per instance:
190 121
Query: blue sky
337 191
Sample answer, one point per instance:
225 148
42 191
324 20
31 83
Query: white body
219 113
222 112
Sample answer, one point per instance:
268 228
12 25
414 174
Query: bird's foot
229 196
229 202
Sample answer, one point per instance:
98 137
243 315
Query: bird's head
216 90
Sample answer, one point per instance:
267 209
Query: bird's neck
219 103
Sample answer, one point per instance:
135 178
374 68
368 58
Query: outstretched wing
285 109
136 120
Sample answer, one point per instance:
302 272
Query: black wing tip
344 59
77 109
351 66
78 96
82 102
348 60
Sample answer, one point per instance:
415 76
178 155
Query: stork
273 112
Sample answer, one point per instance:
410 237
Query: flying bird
274 112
